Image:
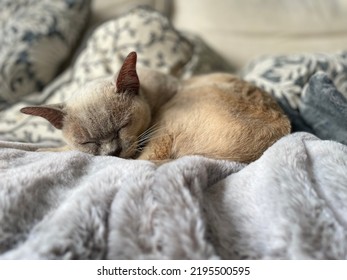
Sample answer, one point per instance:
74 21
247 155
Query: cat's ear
127 80
53 113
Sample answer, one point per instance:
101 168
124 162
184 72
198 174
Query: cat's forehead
98 99
101 93
94 89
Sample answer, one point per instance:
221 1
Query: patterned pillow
287 78
36 36
150 34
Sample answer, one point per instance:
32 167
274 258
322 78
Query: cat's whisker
150 139
150 130
143 141
133 146
149 135
143 138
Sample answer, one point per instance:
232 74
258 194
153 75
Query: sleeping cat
216 115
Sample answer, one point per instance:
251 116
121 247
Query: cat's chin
122 154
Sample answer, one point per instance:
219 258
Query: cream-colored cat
216 115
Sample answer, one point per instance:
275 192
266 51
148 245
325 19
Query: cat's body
217 115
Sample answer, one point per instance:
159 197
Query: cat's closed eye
123 126
90 143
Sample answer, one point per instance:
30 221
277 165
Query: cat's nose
116 152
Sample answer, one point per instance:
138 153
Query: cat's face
105 117
105 122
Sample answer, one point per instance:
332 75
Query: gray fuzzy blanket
289 204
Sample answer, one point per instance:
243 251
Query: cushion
36 37
149 33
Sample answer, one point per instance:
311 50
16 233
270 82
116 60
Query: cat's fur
216 115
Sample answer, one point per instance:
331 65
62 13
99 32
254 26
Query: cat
145 114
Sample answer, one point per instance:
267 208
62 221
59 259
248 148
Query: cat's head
105 117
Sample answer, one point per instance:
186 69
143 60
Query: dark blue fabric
324 108
297 122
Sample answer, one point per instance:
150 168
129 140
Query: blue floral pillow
36 37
